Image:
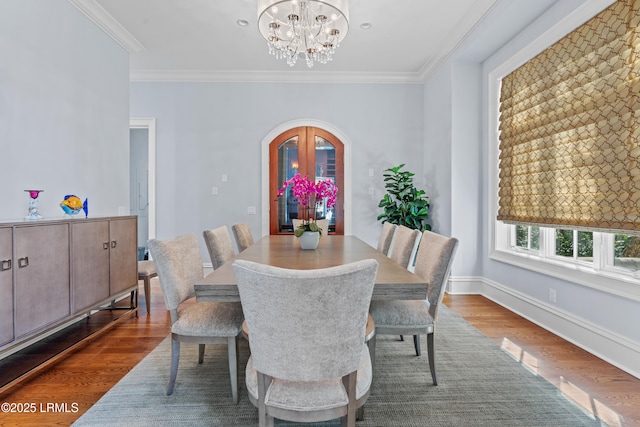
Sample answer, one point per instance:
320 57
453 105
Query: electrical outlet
371 191
251 210
552 295
214 191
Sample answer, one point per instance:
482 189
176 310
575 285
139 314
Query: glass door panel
288 167
325 166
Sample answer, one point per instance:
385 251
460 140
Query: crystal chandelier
312 29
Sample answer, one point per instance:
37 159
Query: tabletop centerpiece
310 195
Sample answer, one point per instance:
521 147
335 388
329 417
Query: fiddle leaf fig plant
404 204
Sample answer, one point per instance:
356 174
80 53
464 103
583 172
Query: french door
311 152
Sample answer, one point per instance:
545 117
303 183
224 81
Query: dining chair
219 245
405 245
243 236
386 237
416 317
323 224
179 266
309 361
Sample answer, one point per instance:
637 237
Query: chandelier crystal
312 29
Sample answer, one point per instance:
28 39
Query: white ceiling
183 40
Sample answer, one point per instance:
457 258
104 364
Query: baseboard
609 346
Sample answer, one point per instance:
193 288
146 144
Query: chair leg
264 420
232 349
200 353
147 292
175 358
416 344
349 382
372 351
432 358
401 337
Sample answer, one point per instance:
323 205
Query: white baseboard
609 346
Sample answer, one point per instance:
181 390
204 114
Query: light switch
370 171
225 178
371 191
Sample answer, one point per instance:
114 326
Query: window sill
625 286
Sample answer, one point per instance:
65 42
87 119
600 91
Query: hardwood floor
62 393
598 387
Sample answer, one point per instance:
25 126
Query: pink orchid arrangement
309 194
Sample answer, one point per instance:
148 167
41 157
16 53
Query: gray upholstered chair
323 224
219 244
308 358
433 264
179 265
243 236
386 237
405 245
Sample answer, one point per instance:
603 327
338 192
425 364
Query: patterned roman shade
569 129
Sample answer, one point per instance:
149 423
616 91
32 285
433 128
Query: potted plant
310 195
404 204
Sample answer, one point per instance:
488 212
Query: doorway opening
142 178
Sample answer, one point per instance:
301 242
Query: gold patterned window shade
569 129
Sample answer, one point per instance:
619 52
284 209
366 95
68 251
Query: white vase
309 239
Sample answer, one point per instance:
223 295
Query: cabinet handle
23 262
113 244
105 245
6 265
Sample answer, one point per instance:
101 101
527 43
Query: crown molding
108 24
272 76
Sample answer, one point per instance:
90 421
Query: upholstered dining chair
386 237
308 358
243 236
405 245
219 245
415 317
179 265
323 224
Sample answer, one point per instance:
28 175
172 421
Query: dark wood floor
63 392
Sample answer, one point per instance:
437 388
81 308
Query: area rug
479 385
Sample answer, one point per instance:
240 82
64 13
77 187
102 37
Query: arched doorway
312 152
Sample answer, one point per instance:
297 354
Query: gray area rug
479 385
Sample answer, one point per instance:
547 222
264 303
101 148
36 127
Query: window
574 244
626 252
527 237
586 254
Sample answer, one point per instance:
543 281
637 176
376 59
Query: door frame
266 197
149 123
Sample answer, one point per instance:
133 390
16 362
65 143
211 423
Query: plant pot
309 240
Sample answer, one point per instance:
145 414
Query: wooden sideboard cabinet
41 276
52 272
6 285
104 259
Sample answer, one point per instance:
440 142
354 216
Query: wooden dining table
392 280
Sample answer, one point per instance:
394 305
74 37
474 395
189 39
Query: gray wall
205 130
64 110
